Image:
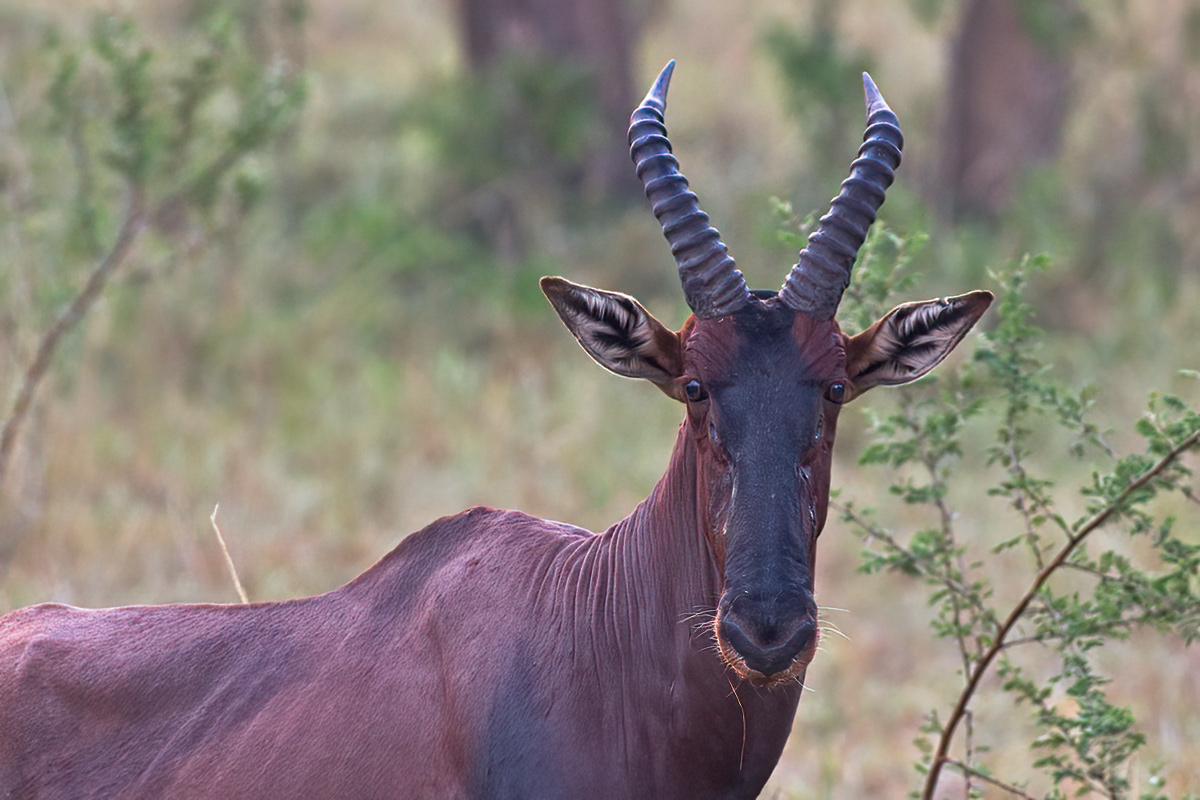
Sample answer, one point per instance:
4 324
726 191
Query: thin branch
969 772
237 583
1123 624
1022 501
941 755
1189 495
967 769
86 187
934 571
952 551
1092 571
68 318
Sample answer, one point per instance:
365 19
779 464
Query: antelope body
497 655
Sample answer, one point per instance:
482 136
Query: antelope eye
694 391
836 393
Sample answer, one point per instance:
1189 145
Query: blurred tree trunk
594 34
1007 93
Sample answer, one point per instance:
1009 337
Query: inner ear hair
617 332
912 339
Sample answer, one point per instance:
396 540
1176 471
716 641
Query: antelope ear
911 339
618 332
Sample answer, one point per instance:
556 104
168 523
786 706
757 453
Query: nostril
767 645
733 633
804 635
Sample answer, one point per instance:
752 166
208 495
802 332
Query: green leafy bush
1080 593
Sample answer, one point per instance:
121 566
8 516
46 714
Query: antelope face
763 376
766 387
765 390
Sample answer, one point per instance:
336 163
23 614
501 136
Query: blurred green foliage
124 120
530 114
134 150
819 70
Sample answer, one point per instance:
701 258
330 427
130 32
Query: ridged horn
712 284
822 273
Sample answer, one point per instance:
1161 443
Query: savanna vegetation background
319 224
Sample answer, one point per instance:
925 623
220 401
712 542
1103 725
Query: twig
1120 624
228 559
86 185
974 773
930 462
968 771
69 317
872 531
941 755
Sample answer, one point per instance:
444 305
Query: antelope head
763 375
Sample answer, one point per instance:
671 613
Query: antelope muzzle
767 639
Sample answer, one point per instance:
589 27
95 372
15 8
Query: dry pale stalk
237 583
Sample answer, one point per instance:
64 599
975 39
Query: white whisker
830 628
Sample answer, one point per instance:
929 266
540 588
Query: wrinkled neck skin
656 579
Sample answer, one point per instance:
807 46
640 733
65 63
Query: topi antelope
496 655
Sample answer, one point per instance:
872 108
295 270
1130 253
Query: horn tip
874 99
658 91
